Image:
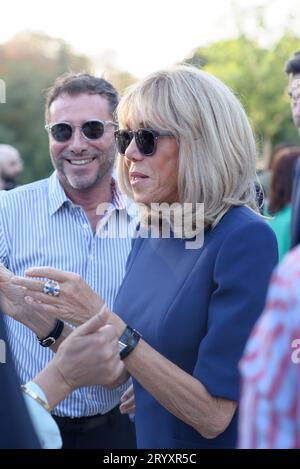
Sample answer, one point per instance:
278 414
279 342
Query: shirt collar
58 197
120 201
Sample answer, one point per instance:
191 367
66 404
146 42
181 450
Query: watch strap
53 335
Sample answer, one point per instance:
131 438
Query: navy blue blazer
16 429
295 222
197 308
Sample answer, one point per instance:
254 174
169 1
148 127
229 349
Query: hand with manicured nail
77 302
12 296
13 304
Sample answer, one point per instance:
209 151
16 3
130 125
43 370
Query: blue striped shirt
40 226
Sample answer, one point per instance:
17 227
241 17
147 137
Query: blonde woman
182 316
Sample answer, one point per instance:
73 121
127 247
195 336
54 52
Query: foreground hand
12 296
76 303
127 405
14 305
90 354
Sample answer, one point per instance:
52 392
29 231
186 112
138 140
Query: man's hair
293 64
278 151
216 145
75 84
282 180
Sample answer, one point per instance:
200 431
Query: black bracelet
128 341
53 336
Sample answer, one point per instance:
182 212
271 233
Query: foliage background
30 62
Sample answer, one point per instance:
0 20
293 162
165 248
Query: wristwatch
128 341
53 336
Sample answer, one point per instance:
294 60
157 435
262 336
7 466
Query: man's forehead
79 102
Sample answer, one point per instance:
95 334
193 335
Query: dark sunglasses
145 139
90 130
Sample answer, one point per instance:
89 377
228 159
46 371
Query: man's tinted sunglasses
90 130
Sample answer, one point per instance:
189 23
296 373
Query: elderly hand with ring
63 295
96 343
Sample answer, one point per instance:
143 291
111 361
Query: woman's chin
141 198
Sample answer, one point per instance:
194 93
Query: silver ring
51 287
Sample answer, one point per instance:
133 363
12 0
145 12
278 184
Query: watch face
121 345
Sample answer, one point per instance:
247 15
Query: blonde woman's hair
217 149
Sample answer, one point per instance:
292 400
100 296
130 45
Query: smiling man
53 222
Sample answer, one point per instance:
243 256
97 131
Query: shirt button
85 226
89 396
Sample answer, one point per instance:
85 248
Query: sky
141 36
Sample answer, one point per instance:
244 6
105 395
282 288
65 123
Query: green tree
256 75
120 79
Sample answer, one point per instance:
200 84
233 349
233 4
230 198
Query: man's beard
105 162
